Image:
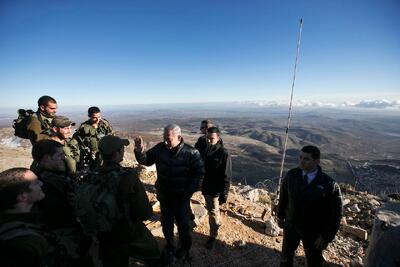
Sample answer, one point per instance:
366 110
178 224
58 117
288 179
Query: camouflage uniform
72 156
37 127
89 136
23 246
129 236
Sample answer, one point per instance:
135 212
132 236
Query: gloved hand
222 199
320 243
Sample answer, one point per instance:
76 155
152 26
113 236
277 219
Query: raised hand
139 144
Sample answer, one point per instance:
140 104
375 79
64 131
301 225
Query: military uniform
55 209
37 127
129 236
21 241
56 212
72 156
89 136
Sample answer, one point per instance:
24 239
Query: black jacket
314 208
179 171
201 145
218 170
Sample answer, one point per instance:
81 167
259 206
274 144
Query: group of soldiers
40 227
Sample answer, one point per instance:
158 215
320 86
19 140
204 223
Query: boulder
355 231
354 208
272 228
384 244
199 213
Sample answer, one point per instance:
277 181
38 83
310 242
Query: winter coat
314 208
179 171
218 171
201 145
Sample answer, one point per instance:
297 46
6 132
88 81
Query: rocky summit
249 235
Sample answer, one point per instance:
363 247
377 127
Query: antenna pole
290 110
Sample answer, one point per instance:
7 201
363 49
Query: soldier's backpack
20 124
57 253
96 204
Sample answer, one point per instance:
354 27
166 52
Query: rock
354 208
199 213
345 201
255 194
384 244
266 213
356 262
374 202
395 196
240 243
272 228
355 231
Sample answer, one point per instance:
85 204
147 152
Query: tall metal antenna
290 108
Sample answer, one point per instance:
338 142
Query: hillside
243 240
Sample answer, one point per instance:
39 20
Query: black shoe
210 243
167 257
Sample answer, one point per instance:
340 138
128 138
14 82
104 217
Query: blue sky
143 52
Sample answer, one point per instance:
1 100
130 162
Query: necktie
305 177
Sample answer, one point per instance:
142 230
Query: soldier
89 134
215 188
310 209
55 209
201 144
179 173
40 121
21 239
61 131
129 236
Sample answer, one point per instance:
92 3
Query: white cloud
383 103
377 104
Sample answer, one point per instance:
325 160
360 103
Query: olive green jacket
88 138
72 156
38 126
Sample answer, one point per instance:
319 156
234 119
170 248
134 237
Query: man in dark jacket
129 236
201 144
179 173
215 188
310 209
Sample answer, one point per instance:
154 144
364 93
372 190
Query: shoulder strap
15 229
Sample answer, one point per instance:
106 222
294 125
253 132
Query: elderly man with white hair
179 174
